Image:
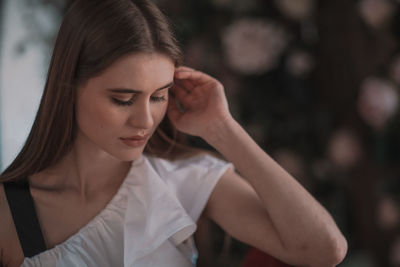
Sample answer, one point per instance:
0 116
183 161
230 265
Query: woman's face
118 110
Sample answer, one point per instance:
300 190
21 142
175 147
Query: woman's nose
141 116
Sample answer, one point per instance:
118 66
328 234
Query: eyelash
130 101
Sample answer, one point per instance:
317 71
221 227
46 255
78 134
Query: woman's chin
128 155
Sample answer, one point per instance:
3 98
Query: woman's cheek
160 112
112 115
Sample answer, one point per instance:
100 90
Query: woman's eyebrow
130 91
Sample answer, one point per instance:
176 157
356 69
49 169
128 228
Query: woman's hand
203 100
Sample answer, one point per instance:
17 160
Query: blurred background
315 83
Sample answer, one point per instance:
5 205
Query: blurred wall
24 60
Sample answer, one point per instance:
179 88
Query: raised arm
270 211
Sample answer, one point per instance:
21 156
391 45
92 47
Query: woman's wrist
218 133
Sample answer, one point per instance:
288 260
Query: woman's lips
137 137
135 141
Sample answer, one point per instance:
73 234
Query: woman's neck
86 171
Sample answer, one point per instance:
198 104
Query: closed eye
132 100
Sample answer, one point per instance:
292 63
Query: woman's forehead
139 70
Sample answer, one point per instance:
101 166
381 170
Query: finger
195 77
186 84
180 92
184 68
173 111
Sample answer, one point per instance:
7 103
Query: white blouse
149 222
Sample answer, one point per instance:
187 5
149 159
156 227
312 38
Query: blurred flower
388 213
395 70
299 63
378 101
344 149
395 253
253 46
296 9
290 161
376 13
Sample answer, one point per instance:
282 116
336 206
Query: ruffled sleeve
166 199
192 180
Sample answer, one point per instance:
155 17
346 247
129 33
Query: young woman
103 180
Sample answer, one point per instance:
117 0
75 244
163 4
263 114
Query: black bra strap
25 219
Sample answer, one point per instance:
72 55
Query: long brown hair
93 35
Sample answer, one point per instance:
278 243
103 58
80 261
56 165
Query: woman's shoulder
190 173
10 250
191 179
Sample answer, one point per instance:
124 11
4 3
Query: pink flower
299 63
377 102
344 149
253 46
297 9
376 13
388 213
